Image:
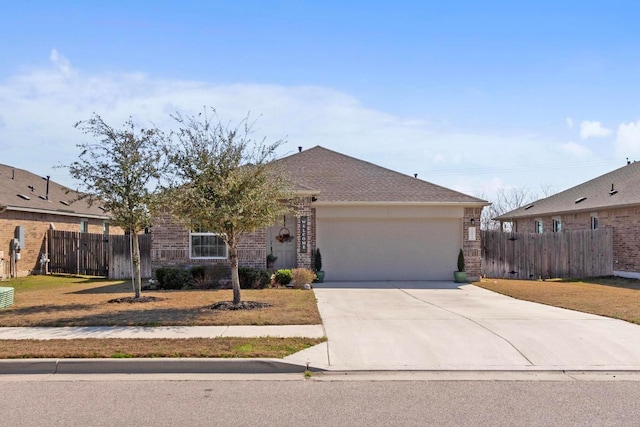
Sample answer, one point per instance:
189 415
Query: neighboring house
370 223
611 200
31 204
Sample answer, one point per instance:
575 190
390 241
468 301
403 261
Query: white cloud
628 140
593 130
575 150
63 65
569 122
40 108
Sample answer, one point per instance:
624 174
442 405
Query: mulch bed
134 300
244 305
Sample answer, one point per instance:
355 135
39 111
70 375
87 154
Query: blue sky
474 96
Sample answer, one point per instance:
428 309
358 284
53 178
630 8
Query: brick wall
472 249
36 226
170 246
170 242
305 260
625 223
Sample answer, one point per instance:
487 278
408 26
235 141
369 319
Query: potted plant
460 276
317 266
271 260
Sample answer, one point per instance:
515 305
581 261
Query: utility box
20 235
6 297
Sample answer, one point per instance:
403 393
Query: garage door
389 249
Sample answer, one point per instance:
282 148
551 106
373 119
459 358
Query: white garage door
389 249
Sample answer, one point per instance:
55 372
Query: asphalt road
291 400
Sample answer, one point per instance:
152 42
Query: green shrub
253 278
460 260
302 276
173 277
317 260
159 273
282 277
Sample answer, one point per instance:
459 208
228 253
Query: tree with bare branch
120 169
224 181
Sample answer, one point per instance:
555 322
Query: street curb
149 366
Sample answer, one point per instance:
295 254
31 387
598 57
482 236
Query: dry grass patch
609 296
125 348
72 301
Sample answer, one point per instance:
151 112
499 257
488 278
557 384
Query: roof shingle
23 190
618 188
339 178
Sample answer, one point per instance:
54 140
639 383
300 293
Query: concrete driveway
443 326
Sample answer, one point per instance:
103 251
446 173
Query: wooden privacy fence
96 254
566 254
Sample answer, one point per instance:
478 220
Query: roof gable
25 191
339 178
612 190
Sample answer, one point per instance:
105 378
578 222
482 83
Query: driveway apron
442 326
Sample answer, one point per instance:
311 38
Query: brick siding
36 226
472 249
625 223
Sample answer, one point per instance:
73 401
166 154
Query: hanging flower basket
284 235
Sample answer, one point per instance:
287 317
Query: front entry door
281 242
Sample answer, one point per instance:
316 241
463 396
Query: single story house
611 200
370 223
29 206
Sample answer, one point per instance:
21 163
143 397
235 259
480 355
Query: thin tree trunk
235 279
135 257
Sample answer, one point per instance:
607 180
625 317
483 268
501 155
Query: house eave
54 212
400 203
565 212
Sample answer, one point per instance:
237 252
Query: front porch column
305 232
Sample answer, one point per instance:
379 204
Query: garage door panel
390 249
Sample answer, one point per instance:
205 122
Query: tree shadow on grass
114 288
37 309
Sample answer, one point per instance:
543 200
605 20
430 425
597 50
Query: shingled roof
21 190
338 178
615 189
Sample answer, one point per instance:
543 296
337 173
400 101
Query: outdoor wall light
473 221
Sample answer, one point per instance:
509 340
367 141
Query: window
538 226
557 225
84 225
105 228
206 245
594 221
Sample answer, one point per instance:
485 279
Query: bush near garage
281 277
301 277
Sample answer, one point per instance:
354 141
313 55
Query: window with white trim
594 221
538 226
84 225
557 225
206 245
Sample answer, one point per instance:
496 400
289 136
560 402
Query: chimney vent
299 149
